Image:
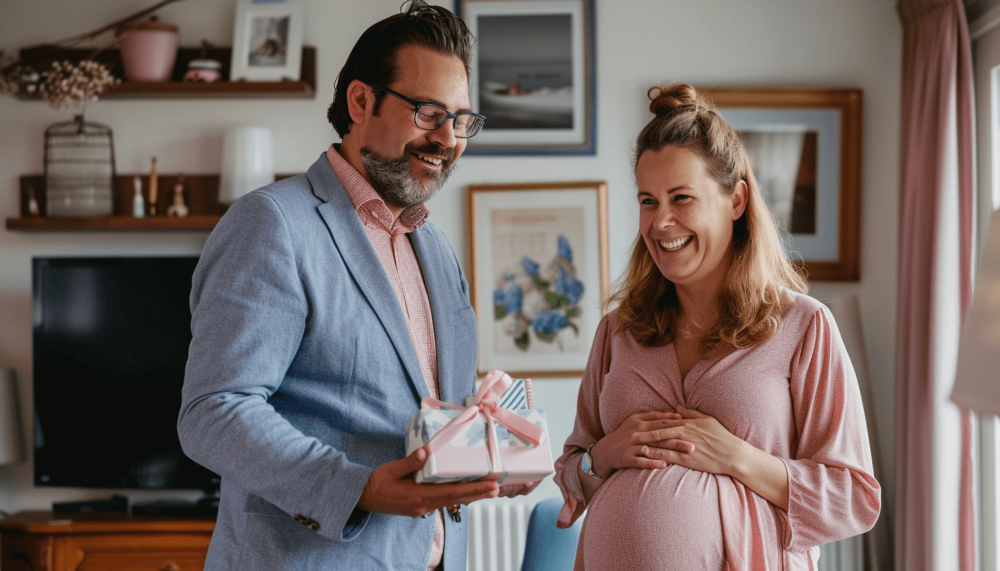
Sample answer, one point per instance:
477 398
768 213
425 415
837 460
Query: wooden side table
43 541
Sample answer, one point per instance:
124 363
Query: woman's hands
716 450
713 448
638 443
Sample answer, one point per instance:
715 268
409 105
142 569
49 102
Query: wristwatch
588 463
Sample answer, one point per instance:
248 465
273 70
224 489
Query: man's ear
739 197
360 101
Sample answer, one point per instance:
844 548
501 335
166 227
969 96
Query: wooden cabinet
43 541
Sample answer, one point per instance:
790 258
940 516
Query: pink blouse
795 396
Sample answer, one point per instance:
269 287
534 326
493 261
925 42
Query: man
324 308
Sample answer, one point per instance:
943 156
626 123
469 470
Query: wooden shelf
305 88
196 223
201 192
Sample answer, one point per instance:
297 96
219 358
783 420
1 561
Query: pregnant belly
655 519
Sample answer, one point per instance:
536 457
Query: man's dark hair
374 59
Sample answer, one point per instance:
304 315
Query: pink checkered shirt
400 263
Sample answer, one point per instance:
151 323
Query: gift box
483 439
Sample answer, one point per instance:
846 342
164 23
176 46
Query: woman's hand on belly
632 445
717 451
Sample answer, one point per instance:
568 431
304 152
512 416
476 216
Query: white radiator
497 531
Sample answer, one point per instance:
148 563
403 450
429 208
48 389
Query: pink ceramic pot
148 50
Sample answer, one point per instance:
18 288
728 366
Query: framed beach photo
538 274
267 41
533 76
805 146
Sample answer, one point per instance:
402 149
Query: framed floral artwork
539 274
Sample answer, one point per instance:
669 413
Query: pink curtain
936 116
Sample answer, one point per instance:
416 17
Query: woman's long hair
752 299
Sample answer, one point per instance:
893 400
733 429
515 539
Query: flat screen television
111 340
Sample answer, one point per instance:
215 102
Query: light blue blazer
302 377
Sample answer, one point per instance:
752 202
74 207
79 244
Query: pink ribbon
486 401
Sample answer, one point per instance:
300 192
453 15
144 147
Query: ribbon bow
486 402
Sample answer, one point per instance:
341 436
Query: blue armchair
548 548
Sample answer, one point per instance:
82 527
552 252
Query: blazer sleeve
832 492
587 429
249 311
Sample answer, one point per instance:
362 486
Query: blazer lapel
362 261
442 308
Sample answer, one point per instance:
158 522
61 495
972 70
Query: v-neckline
699 368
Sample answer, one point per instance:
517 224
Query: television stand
94 540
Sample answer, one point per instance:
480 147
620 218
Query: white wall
797 43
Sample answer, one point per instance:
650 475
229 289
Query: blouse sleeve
832 493
587 429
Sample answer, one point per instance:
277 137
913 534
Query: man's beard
394 181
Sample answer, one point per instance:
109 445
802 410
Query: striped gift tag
516 397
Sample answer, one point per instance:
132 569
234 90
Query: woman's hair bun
674 98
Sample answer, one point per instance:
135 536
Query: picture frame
533 76
267 41
817 201
538 273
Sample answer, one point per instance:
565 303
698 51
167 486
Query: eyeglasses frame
448 114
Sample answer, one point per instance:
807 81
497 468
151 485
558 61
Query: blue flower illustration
476 434
563 250
549 322
502 432
530 267
512 299
570 287
498 297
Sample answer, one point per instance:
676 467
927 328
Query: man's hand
391 489
514 490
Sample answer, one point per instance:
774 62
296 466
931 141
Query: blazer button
314 526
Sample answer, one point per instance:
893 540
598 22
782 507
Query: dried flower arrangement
69 84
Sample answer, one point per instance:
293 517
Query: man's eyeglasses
430 116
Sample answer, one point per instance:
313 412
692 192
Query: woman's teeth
675 245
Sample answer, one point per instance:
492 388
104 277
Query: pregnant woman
719 423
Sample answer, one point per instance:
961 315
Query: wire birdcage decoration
79 169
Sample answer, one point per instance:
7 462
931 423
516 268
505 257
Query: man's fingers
463 493
408 465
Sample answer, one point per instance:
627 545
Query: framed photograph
538 273
533 76
267 42
805 145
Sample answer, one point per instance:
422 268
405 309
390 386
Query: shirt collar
367 202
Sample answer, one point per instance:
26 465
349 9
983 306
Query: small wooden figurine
152 189
32 203
138 205
178 209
